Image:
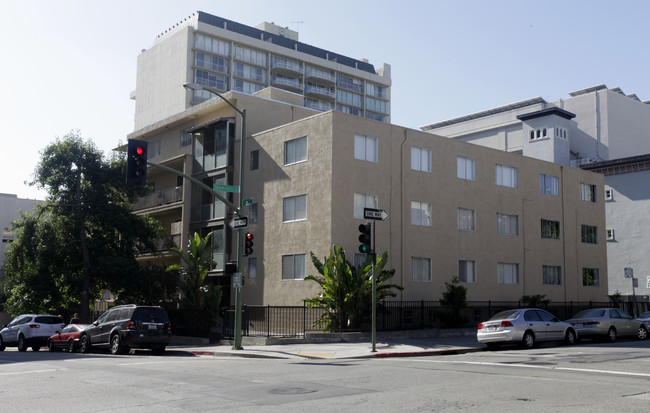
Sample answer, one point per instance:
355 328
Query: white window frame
362 201
295 151
421 269
421 213
293 267
420 159
467 271
507 224
466 219
465 168
551 275
610 234
508 273
506 176
587 192
290 208
366 148
549 184
609 194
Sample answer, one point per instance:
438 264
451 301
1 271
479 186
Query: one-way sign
376 214
241 222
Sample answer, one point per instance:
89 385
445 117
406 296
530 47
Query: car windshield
599 312
504 315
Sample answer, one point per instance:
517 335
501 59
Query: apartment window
549 185
294 208
507 224
154 149
467 271
550 229
589 234
255 160
210 79
348 98
506 176
420 213
609 194
376 105
376 91
293 267
551 275
252 268
250 56
186 139
362 201
590 277
420 159
588 192
420 269
610 234
465 168
349 83
214 63
538 133
365 148
507 273
212 45
466 219
295 150
255 74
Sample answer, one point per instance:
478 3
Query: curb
422 353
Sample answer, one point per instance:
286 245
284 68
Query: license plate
492 328
577 325
152 327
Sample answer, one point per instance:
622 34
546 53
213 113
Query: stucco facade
10 209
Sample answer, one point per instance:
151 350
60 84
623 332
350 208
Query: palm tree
347 291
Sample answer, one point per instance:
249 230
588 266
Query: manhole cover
292 390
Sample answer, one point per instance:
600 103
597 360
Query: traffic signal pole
374 292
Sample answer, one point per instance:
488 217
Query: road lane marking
30 372
532 366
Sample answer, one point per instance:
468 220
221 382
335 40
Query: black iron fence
296 321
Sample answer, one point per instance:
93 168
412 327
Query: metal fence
296 321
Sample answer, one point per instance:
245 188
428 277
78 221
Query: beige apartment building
506 224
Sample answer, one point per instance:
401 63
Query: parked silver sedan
525 326
608 323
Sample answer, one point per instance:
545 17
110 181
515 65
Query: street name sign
225 188
247 202
237 223
375 214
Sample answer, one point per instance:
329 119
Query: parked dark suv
128 326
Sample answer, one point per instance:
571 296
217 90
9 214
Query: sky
70 65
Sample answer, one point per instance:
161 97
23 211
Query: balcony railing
286 65
320 90
160 198
320 75
167 242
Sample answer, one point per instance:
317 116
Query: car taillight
506 323
591 323
130 325
480 326
169 328
34 326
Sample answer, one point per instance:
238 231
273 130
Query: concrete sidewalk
387 347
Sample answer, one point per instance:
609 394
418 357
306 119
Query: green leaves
347 291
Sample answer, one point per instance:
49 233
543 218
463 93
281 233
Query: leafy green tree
85 236
198 295
347 291
454 299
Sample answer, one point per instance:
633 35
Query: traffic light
230 268
364 238
248 244
136 163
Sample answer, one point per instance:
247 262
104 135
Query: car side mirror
57 332
95 323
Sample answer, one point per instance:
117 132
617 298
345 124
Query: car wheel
84 345
50 345
642 334
570 337
2 344
116 345
529 339
71 347
611 335
22 344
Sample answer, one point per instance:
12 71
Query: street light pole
240 233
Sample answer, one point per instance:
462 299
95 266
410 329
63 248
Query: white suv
30 330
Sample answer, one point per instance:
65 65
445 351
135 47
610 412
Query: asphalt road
584 378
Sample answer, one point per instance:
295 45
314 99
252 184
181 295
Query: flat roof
545 112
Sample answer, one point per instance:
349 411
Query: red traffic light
139 150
